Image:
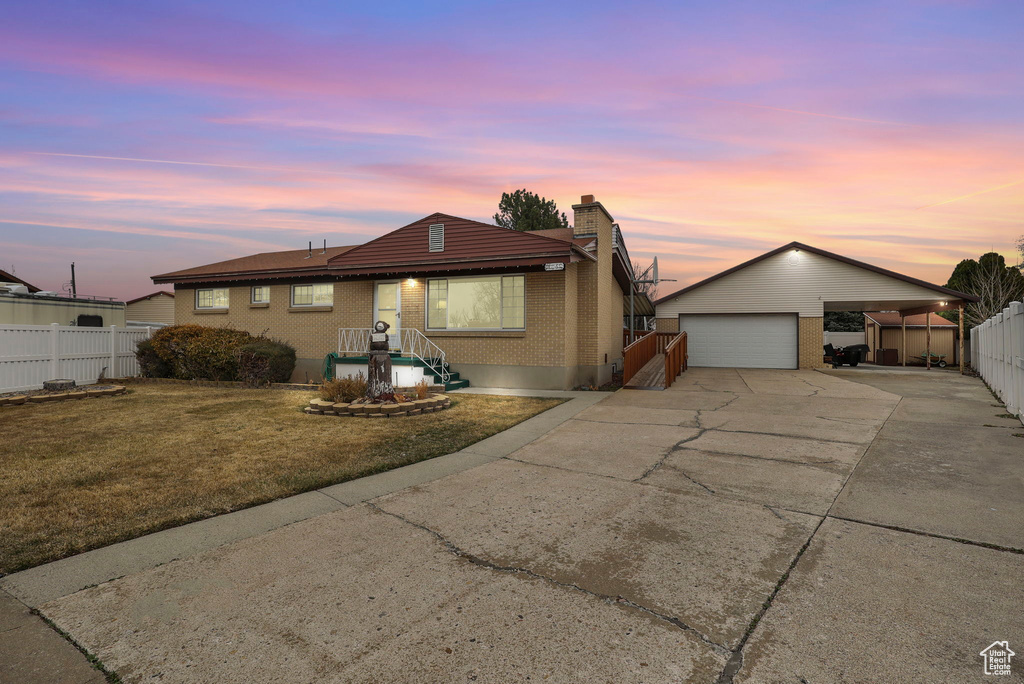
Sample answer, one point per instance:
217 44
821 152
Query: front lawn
79 475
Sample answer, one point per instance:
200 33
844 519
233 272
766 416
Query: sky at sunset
139 137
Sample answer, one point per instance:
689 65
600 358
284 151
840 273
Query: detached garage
768 312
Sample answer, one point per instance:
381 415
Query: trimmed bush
193 352
150 363
346 388
264 361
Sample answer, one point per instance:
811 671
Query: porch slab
708 562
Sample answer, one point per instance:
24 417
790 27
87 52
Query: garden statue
378 384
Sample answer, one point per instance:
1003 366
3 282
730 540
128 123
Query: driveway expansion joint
933 535
455 550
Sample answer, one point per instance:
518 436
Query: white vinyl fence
997 353
30 354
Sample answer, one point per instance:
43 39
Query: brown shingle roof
467 244
6 277
888 319
267 264
150 296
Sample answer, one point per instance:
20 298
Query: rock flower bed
43 396
363 409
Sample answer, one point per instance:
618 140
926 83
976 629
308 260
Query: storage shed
883 330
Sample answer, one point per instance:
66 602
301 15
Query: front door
387 307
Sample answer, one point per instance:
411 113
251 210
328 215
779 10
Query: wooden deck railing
664 338
675 358
636 355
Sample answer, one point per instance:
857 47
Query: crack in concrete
699 484
760 458
933 535
619 600
775 513
669 452
777 434
743 380
735 663
564 469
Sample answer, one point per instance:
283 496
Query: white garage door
741 340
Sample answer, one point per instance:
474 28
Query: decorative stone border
437 402
68 396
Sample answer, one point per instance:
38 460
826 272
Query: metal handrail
411 342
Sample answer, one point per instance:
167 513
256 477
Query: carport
768 312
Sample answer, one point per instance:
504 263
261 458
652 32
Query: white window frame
501 312
252 294
313 303
213 307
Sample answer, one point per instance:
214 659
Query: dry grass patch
79 475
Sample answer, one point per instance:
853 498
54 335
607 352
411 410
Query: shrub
421 389
347 388
150 363
191 352
264 361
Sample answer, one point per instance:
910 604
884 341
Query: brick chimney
589 217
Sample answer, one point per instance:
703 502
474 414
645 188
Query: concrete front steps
431 369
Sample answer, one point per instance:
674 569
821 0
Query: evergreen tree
844 321
524 210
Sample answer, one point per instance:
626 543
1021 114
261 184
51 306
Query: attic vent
437 237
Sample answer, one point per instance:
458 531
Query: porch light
411 282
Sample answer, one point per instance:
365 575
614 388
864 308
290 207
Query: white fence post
999 353
113 352
32 354
54 351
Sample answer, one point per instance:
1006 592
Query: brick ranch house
539 309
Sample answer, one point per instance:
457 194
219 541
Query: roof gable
464 240
829 255
6 277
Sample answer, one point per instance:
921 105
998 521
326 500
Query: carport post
961 333
903 321
928 340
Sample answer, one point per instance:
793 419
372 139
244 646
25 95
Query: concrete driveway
747 526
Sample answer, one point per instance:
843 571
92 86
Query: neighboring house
153 308
540 309
768 312
24 304
884 330
11 279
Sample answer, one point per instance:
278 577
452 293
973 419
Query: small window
318 294
212 298
260 294
437 237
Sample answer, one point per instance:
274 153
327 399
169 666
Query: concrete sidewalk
739 526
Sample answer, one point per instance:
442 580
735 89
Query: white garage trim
757 340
